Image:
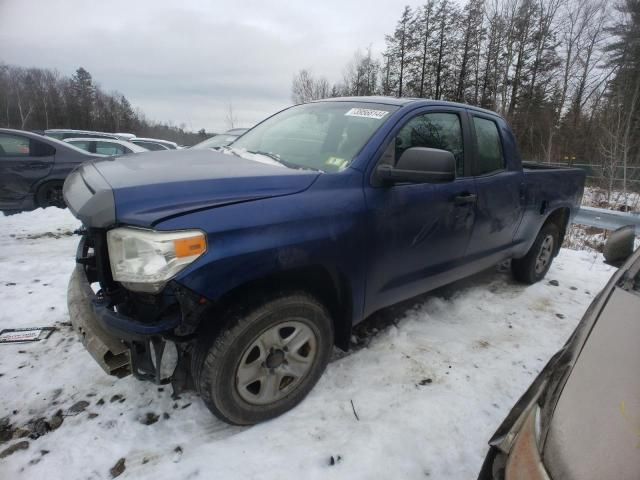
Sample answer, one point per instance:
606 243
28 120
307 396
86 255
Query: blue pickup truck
235 272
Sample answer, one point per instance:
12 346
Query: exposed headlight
144 260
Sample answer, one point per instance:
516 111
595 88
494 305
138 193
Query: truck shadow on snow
493 279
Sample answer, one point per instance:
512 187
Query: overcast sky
185 61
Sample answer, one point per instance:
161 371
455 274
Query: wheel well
45 184
330 288
560 218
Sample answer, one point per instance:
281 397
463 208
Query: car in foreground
33 168
104 146
222 140
62 134
579 419
154 144
237 271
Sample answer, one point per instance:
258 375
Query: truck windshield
322 136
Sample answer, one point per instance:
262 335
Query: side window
107 148
433 130
489 145
150 146
56 135
14 146
83 144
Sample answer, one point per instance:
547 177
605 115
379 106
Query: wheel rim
276 362
544 256
54 196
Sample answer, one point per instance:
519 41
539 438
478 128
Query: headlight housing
144 260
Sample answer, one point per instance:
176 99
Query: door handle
38 165
465 199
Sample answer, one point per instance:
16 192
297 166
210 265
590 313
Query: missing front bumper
110 353
123 346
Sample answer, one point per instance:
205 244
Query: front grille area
93 255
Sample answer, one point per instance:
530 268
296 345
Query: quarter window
40 149
490 156
433 130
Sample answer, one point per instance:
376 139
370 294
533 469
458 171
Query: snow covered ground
430 381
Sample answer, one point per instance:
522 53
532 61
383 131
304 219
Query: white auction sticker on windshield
366 113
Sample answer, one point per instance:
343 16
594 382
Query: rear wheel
50 195
536 263
266 361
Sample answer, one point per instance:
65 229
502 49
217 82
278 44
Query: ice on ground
429 388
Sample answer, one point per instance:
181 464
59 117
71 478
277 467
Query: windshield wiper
231 150
277 158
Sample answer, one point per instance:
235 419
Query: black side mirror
420 165
619 246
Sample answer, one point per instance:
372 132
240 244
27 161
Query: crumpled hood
150 187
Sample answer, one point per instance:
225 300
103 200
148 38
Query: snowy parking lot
426 386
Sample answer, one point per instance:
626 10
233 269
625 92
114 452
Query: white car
105 146
155 143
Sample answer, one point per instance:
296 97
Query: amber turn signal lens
189 247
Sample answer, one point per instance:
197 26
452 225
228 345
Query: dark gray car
33 169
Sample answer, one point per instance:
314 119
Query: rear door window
489 146
84 145
14 145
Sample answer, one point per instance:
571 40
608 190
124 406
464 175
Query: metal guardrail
607 219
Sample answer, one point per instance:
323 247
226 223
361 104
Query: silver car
222 140
580 419
105 146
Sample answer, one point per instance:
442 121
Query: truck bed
548 188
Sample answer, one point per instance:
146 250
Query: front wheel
266 361
536 263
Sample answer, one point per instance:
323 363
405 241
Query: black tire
219 357
50 195
528 269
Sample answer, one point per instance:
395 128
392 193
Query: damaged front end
147 335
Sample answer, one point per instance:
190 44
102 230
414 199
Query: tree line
564 73
39 99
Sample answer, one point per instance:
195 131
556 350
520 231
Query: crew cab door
419 231
500 185
23 161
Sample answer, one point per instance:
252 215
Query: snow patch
430 382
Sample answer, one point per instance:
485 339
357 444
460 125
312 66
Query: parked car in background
61 134
33 168
221 140
580 418
250 266
154 143
125 136
105 146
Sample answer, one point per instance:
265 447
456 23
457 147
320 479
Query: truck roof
403 101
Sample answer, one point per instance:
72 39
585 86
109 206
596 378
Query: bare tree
17 83
305 88
230 116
